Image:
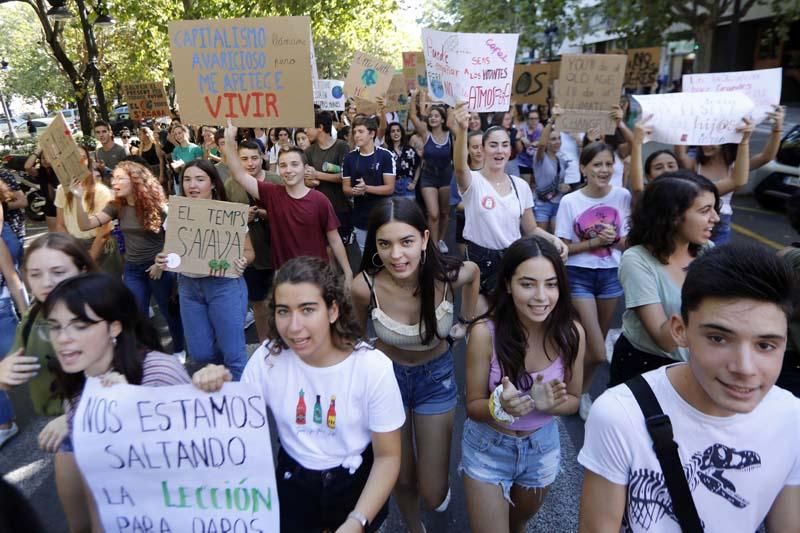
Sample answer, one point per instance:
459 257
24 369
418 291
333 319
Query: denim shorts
429 388
530 462
600 283
488 262
722 230
545 210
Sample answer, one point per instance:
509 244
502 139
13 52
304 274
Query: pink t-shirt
535 419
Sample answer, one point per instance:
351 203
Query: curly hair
655 218
148 194
345 331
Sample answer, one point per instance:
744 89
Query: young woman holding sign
96 330
141 210
336 403
213 307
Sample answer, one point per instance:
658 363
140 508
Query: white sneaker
443 506
443 247
181 356
586 405
8 433
250 319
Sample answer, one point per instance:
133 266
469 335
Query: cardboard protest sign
695 118
146 100
368 77
204 236
531 83
414 70
61 151
397 98
589 85
476 68
329 95
176 458
762 86
255 71
642 67
365 107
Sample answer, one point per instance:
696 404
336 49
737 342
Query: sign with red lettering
146 100
414 70
256 71
589 85
476 68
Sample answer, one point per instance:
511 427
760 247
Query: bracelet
496 409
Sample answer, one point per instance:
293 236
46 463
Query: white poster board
476 68
329 95
177 459
695 118
762 86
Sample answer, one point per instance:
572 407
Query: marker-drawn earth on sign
369 77
337 91
437 88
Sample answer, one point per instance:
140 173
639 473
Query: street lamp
103 19
58 10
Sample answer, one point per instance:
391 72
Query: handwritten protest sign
695 118
204 236
762 86
329 95
255 71
589 85
368 77
642 67
177 459
397 98
61 151
531 83
476 68
146 100
414 70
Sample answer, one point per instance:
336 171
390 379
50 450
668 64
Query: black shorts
628 362
435 179
525 170
258 283
488 262
319 500
461 220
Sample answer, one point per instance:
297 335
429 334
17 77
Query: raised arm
684 160
248 182
640 131
420 127
544 140
382 126
87 222
770 151
741 166
459 121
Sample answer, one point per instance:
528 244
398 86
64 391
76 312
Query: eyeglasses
52 330
125 138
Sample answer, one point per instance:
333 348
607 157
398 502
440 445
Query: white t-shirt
491 220
736 465
580 218
341 404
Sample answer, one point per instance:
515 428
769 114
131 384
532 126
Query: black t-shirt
328 161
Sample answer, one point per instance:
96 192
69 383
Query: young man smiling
302 221
738 435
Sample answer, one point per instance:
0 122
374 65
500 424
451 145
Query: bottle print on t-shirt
319 421
591 222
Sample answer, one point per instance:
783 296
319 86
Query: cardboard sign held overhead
397 98
146 100
476 68
205 236
256 71
695 118
62 152
531 83
762 86
329 95
368 77
642 67
589 85
177 458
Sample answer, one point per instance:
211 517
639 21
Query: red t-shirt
297 226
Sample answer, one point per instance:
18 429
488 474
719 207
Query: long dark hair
112 301
658 214
346 331
388 138
652 157
436 267
218 192
511 338
727 151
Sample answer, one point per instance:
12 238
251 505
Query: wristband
496 408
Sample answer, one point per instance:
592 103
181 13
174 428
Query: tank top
535 419
408 336
725 200
437 159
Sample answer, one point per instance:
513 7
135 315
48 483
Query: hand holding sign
459 117
211 378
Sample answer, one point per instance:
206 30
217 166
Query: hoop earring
424 256
379 263
114 341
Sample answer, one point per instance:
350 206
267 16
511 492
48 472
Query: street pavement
32 471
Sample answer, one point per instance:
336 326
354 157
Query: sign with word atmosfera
205 237
176 459
589 85
476 68
256 71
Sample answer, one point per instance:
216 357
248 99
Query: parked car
121 119
777 180
22 130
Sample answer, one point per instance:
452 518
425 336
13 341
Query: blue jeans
13 243
214 309
138 281
8 327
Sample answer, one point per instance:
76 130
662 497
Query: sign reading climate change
476 68
175 459
256 72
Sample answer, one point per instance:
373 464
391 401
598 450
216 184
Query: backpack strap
659 427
